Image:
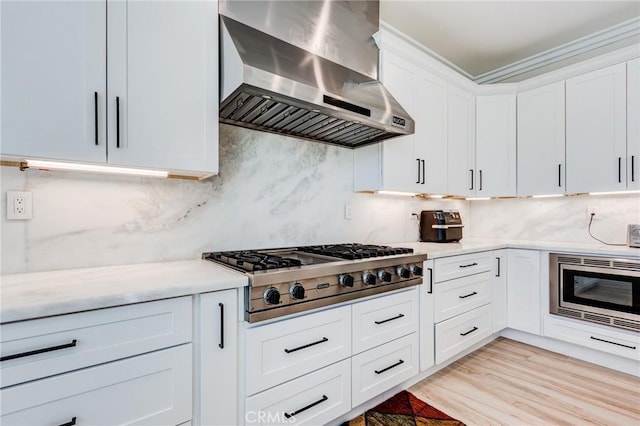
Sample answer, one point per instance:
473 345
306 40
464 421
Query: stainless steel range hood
320 84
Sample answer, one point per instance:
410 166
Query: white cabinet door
499 291
633 124
541 142
496 145
461 153
218 358
427 327
53 79
523 290
596 130
163 85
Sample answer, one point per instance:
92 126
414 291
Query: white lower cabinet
383 367
499 293
458 296
427 329
523 290
461 332
150 389
314 399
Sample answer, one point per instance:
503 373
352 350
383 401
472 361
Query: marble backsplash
272 191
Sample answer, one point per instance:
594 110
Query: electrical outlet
19 205
347 211
591 210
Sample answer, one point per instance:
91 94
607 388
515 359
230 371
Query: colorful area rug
404 409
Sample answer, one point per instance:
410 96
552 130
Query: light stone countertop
41 294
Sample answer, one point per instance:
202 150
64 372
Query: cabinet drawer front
459 333
316 398
69 342
458 296
149 389
610 341
448 268
383 367
283 350
383 319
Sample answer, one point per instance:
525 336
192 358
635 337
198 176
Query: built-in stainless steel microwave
595 289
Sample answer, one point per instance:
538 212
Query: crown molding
616 33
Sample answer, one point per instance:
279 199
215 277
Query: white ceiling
480 36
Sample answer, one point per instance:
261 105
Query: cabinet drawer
383 367
69 342
283 350
383 319
149 389
448 268
315 399
455 297
459 333
606 340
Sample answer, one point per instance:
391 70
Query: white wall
272 191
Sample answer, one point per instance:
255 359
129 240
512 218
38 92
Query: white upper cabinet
54 79
158 60
163 69
596 130
541 141
461 147
496 145
633 124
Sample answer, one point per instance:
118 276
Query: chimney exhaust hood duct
321 84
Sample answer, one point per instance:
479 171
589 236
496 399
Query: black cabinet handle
471 264
389 367
430 280
468 295
498 273
39 351
390 319
313 404
619 169
480 187
221 344
423 171
471 171
560 175
95 115
324 339
117 121
418 160
70 423
469 332
633 168
613 343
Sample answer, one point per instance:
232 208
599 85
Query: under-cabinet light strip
55 165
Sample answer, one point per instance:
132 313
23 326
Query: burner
355 251
251 261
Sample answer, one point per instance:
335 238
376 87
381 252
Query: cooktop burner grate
251 261
355 251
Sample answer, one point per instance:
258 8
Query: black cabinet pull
498 273
117 121
471 171
613 343
390 319
313 404
95 115
633 168
418 160
70 423
324 339
389 367
468 295
560 175
480 183
430 280
221 344
39 351
423 171
619 169
471 264
469 332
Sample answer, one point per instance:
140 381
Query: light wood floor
510 383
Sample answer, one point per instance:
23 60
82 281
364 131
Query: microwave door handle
446 226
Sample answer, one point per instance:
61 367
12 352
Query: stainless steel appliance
306 69
440 226
295 279
596 289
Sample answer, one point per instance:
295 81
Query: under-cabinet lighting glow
405 194
477 198
54 165
547 196
436 196
614 192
